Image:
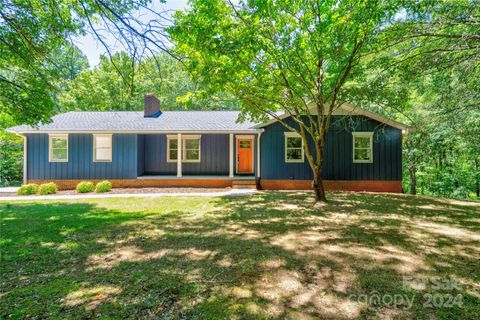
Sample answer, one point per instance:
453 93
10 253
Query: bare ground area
131 191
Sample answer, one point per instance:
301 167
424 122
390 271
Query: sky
92 48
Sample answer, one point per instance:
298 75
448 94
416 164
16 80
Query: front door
245 155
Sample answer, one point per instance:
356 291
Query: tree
11 155
120 83
69 60
428 59
297 56
33 32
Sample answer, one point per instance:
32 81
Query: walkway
231 192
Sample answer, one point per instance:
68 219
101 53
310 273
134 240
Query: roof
134 121
172 121
348 109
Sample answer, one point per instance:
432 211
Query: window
172 149
58 147
362 147
102 147
245 144
293 147
190 148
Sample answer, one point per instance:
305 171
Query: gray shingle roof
135 121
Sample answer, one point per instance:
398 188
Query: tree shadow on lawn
270 255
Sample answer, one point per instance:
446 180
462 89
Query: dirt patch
7 194
132 191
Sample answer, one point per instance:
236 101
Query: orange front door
245 156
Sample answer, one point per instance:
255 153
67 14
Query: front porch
196 157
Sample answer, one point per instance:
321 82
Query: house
156 148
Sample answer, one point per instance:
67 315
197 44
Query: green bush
27 189
85 186
48 188
104 186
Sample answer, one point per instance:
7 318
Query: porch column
231 156
179 155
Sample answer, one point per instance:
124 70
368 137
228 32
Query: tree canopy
428 60
33 33
120 83
301 57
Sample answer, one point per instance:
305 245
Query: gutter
258 152
25 153
135 131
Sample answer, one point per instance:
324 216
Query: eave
348 109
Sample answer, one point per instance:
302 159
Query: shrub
104 186
460 193
48 188
27 189
85 186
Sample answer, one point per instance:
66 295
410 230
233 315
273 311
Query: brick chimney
151 106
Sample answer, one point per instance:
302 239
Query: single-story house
156 148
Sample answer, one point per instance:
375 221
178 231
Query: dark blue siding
272 158
80 163
156 155
140 154
338 164
214 156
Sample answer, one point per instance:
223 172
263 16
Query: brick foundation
330 185
335 185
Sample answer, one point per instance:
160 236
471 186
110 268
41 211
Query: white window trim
95 147
171 137
50 148
362 135
292 135
184 150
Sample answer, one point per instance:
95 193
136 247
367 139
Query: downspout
24 160
259 187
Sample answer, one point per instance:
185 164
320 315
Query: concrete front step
244 181
244 184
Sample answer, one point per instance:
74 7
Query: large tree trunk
318 185
413 181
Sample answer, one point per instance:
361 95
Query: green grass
270 255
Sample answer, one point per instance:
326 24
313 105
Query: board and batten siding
140 154
214 156
338 157
80 163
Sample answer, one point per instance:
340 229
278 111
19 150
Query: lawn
268 255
